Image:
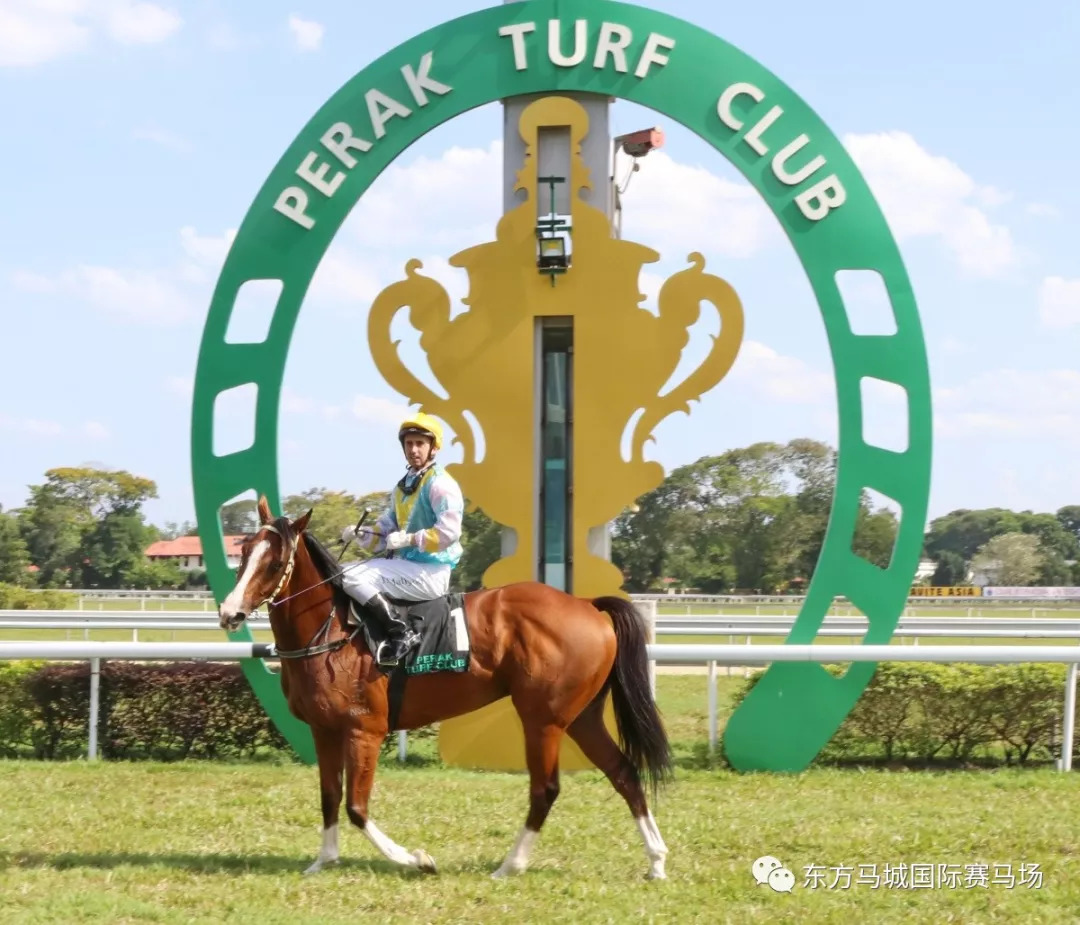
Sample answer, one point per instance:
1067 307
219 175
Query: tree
481 539
752 518
239 517
332 511
951 570
172 530
14 556
1069 518
85 525
113 548
875 533
155 574
964 531
1010 559
1055 539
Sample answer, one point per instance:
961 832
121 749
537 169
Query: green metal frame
795 708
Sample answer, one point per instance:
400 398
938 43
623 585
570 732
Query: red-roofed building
187 551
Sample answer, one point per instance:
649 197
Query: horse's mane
327 566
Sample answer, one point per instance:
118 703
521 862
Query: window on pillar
556 426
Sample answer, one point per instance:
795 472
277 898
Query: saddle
444 640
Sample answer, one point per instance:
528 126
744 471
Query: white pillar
95 685
554 155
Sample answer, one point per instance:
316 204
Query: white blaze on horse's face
237 606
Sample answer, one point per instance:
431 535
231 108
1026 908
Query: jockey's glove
352 533
398 540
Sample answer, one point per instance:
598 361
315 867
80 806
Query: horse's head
266 564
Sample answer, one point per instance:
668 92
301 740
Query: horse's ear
301 522
264 510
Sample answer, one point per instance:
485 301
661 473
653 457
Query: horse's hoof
424 861
503 872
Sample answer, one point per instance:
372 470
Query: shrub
164 712
16 708
957 713
12 597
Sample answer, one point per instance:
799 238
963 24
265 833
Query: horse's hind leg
328 747
542 756
361 758
592 736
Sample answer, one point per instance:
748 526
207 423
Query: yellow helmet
423 424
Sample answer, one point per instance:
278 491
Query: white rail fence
671 653
203 600
718 624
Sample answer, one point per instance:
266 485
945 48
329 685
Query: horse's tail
641 731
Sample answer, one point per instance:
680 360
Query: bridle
272 601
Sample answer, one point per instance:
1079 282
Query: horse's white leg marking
393 851
230 607
518 858
328 854
655 848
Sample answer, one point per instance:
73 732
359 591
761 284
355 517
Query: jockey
420 532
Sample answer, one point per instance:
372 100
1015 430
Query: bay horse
555 655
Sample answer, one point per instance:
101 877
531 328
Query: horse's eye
274 567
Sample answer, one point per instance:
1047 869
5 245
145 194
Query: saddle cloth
444 634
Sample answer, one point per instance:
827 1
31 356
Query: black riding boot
392 650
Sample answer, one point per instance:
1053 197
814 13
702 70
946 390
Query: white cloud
162 297
1059 302
184 386
1011 403
762 370
131 22
378 410
344 277
128 295
432 205
206 253
33 33
162 137
923 195
40 427
433 208
25 281
307 33
1044 209
678 208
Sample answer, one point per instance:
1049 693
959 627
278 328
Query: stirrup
402 646
385 661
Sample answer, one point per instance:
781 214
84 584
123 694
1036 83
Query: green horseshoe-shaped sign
778 143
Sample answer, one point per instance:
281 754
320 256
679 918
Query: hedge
163 712
910 712
14 597
925 713
157 711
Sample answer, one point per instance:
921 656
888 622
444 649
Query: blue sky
138 133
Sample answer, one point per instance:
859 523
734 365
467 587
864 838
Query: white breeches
402 578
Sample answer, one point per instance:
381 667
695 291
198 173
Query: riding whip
359 524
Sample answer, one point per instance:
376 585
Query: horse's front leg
362 756
330 749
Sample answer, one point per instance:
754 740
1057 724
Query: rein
309 649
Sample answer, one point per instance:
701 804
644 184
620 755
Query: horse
554 654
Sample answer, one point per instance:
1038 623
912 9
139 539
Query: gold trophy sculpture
484 360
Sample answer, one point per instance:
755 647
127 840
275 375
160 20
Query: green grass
202 842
